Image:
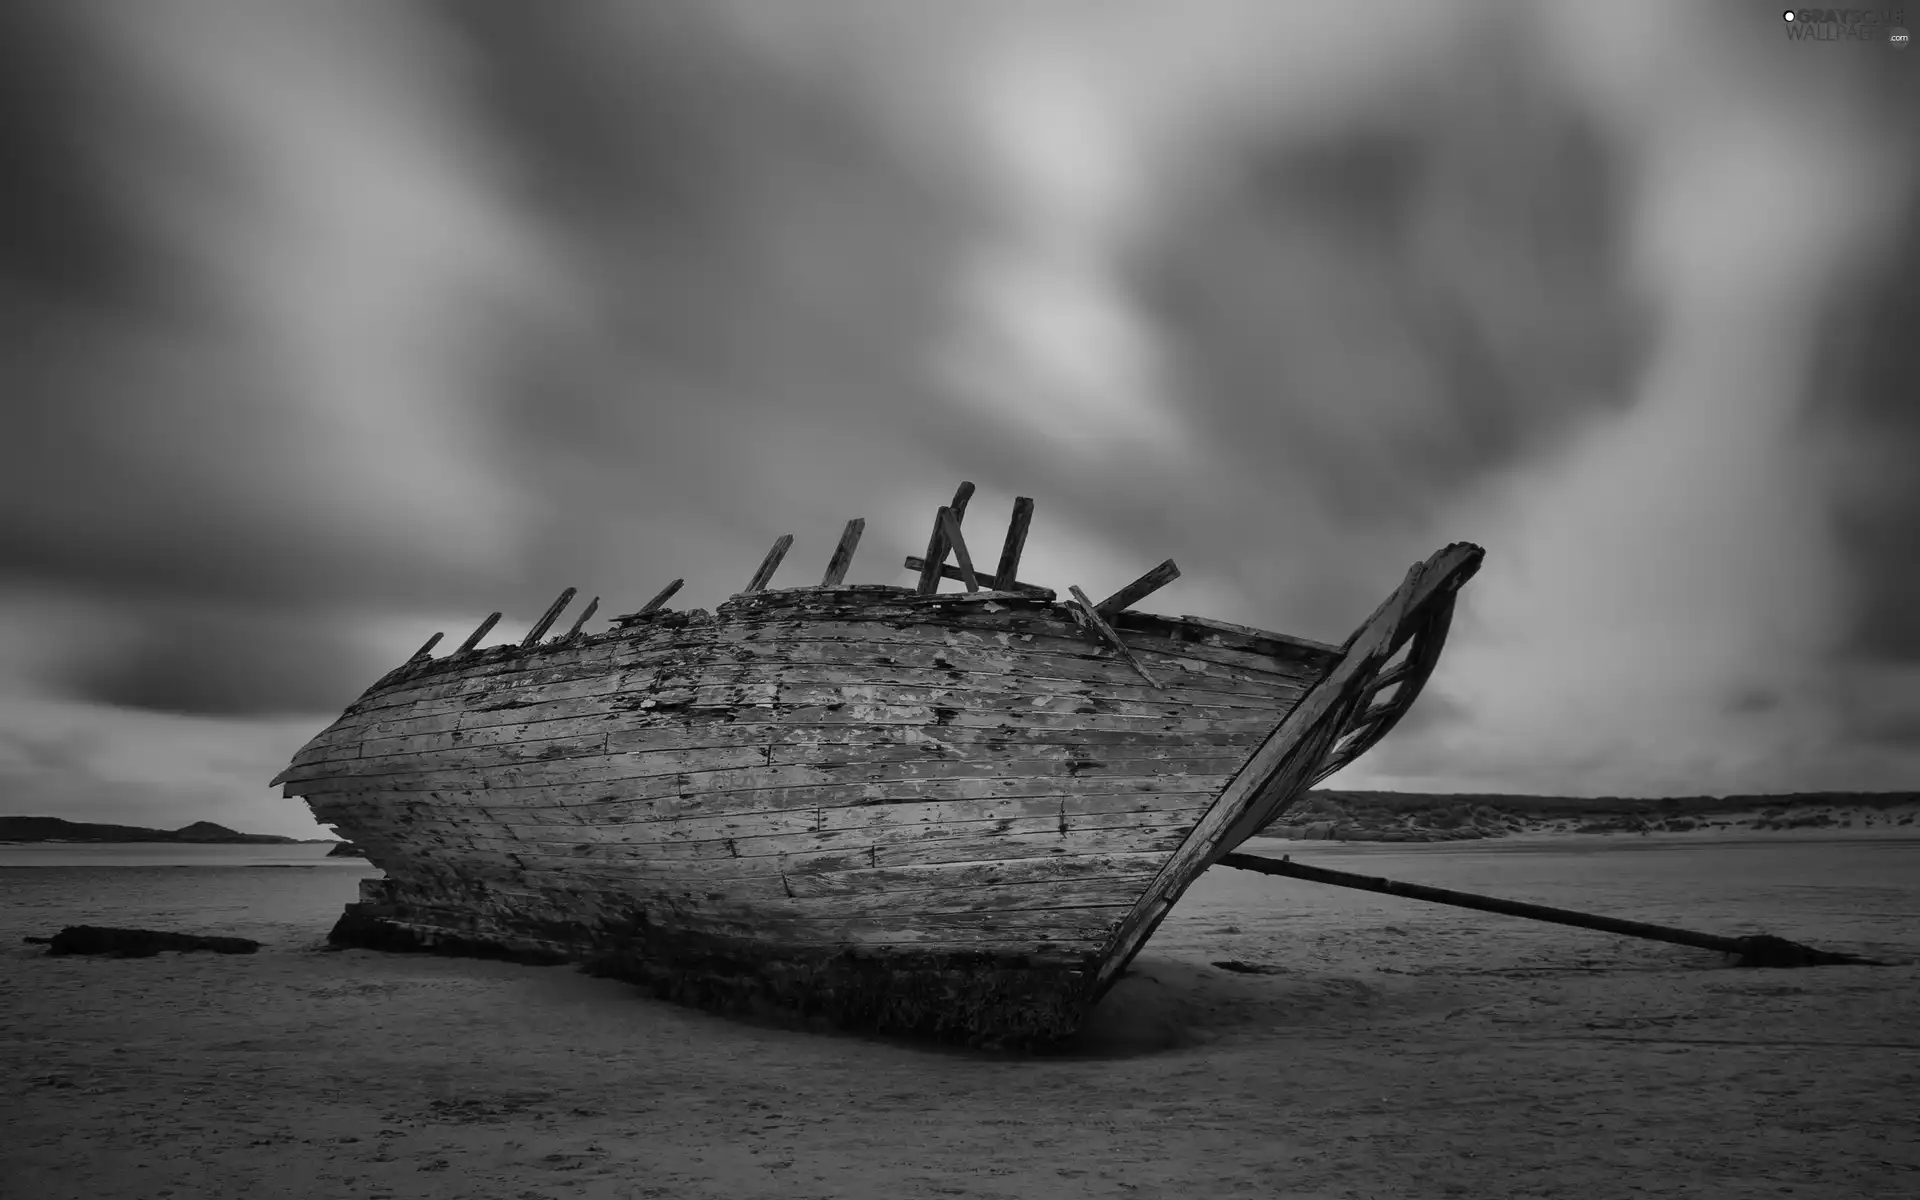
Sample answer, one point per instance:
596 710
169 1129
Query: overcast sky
327 326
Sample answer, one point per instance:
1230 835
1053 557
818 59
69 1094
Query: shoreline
1276 1038
1335 817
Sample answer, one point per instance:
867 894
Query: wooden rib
1106 631
1139 589
473 639
665 594
770 564
547 619
843 553
991 582
931 566
1016 543
586 614
950 528
427 649
961 495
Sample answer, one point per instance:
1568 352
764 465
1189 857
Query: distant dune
55 829
1430 817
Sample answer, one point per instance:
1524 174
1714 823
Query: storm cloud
330 327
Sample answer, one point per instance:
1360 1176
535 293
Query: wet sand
1388 1049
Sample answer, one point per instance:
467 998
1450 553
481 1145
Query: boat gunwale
1177 630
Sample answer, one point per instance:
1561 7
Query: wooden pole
843 553
1016 543
950 528
586 614
473 639
427 649
1758 950
661 597
1139 589
770 563
932 565
546 620
937 546
961 495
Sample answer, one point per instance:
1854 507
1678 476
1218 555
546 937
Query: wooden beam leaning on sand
1086 611
843 553
1139 589
770 564
473 639
546 620
1757 950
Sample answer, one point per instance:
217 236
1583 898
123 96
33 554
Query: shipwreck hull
953 815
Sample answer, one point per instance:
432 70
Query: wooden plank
957 542
1016 543
473 639
546 620
819 852
770 564
1105 630
689 772
633 732
1139 589
426 650
586 614
601 803
843 553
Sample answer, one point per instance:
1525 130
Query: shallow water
270 893
1839 893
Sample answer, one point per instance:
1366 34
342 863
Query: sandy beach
1383 1048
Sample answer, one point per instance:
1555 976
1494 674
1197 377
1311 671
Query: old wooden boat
956 813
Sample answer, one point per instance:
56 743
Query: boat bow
1332 725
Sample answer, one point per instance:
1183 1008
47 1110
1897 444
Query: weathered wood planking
496 705
1051 628
818 770
1047 656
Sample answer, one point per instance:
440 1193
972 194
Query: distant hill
55 829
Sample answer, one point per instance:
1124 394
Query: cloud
343 326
